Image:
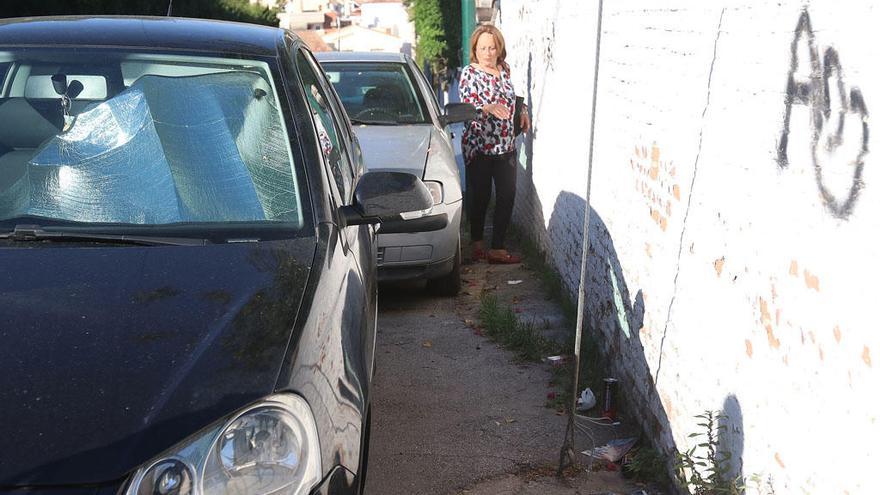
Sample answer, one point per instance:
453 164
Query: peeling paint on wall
762 100
812 281
767 323
719 266
779 460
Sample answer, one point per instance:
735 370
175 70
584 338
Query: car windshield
377 93
132 138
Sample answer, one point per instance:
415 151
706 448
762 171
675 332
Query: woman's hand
499 111
524 123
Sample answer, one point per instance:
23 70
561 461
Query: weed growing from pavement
705 468
592 369
560 379
647 466
501 325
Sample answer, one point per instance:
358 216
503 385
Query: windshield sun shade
205 148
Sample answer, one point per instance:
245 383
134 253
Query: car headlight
269 448
436 190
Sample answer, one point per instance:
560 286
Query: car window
377 92
4 70
426 87
326 127
205 145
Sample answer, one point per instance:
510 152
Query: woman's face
487 52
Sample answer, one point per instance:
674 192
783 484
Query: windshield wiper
28 233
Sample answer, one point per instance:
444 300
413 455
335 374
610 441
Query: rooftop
314 40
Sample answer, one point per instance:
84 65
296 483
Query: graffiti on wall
655 180
838 119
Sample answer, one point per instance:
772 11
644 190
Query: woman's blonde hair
499 42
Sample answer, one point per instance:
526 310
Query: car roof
153 32
360 57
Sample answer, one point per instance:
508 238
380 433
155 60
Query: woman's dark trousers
481 172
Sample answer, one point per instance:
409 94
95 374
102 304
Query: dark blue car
187 262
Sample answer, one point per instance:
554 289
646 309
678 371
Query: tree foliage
233 10
438 34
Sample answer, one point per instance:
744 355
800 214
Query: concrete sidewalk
455 413
520 288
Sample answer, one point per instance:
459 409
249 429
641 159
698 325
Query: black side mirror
458 112
400 201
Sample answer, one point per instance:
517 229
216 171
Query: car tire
450 284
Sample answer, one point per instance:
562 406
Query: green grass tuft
501 325
592 363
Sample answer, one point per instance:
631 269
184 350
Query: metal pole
468 23
567 450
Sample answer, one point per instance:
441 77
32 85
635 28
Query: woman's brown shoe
477 252
502 257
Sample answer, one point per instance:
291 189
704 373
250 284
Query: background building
368 25
359 38
304 14
389 16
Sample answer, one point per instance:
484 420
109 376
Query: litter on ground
613 451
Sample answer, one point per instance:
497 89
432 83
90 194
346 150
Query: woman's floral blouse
487 135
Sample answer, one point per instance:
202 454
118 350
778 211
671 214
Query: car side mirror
400 202
458 112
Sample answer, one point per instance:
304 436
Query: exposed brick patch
837 334
779 460
748 348
866 356
811 280
766 321
719 266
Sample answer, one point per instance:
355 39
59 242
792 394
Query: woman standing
488 142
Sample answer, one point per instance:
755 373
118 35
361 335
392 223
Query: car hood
112 354
399 148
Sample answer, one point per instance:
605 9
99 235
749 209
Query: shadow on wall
614 314
614 318
732 440
614 310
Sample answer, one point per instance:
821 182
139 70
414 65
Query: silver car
401 127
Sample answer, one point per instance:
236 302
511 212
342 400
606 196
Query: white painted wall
715 270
